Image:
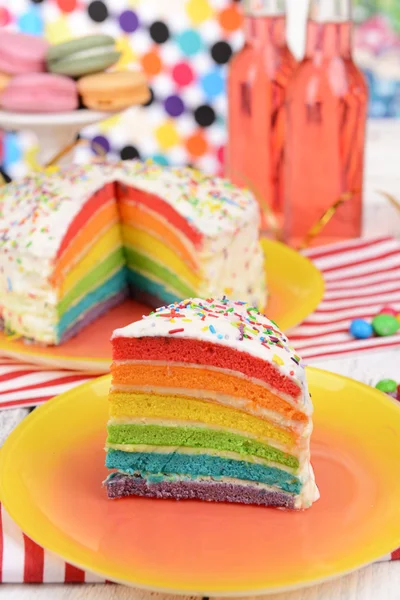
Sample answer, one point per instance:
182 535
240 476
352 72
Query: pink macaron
22 53
40 93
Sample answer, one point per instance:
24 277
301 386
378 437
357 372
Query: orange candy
151 63
196 144
230 18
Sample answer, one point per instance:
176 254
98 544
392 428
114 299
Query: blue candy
361 329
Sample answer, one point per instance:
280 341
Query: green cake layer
145 264
196 437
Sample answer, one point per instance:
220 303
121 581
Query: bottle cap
330 11
264 8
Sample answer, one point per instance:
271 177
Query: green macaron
81 56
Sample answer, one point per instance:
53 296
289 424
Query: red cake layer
98 199
203 353
160 207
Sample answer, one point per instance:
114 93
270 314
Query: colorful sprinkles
245 323
34 209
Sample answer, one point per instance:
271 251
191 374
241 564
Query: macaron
40 93
4 79
113 91
22 53
81 56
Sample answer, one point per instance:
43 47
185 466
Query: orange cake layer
155 375
136 215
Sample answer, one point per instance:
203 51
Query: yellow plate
52 466
296 288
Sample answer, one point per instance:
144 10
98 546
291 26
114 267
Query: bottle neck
264 8
329 28
263 30
265 21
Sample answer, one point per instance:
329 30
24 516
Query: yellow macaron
113 91
4 79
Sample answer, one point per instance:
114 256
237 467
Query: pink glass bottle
257 81
326 114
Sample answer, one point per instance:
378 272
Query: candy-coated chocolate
384 325
361 329
389 386
388 310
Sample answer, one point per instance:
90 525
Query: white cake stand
54 131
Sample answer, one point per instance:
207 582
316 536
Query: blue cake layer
137 281
200 465
114 285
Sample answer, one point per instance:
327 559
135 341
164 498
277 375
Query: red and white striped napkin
23 385
361 277
23 561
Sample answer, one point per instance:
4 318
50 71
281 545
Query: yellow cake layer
133 214
130 404
105 245
144 242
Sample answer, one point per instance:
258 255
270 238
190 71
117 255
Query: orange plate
52 465
296 288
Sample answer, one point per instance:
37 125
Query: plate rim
101 365
13 438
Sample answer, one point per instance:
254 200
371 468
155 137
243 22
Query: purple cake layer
121 485
92 314
145 297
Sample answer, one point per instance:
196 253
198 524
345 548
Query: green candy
387 385
384 325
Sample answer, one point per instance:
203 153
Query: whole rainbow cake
208 401
75 243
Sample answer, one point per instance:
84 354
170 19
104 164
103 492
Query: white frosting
37 210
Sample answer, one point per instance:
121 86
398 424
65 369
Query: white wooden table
381 581
375 581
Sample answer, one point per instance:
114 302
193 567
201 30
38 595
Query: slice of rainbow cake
208 401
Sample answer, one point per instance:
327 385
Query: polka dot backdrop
183 47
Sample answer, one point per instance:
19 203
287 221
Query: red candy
388 310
